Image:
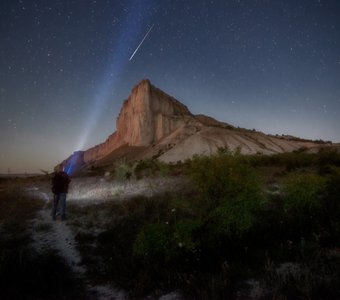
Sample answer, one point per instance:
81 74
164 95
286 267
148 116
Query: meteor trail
140 44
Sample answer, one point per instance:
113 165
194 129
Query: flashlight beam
140 44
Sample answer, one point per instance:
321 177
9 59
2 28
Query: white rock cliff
146 117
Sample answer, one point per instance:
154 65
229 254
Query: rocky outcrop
151 123
146 117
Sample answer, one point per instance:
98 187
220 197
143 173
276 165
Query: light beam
131 28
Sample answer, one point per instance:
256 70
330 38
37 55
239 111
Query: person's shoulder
65 175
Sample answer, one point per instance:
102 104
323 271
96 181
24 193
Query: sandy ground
57 235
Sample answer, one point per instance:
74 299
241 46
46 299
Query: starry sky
271 65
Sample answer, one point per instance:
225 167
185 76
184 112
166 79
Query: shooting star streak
140 44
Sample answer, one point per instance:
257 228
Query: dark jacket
60 182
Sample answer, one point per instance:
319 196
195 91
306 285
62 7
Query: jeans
59 198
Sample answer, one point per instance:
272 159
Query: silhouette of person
60 184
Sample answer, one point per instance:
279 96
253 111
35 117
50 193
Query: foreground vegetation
247 227
254 225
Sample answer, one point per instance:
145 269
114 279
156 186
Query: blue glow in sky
129 33
65 70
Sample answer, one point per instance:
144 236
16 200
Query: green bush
229 190
151 167
301 204
302 193
124 170
328 157
330 208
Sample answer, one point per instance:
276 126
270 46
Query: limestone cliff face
146 117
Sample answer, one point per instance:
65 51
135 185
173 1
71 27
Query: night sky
270 65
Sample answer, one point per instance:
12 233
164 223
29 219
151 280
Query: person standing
60 184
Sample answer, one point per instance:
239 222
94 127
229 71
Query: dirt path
56 235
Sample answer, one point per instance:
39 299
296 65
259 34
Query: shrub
302 194
330 208
150 167
229 190
328 157
124 170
